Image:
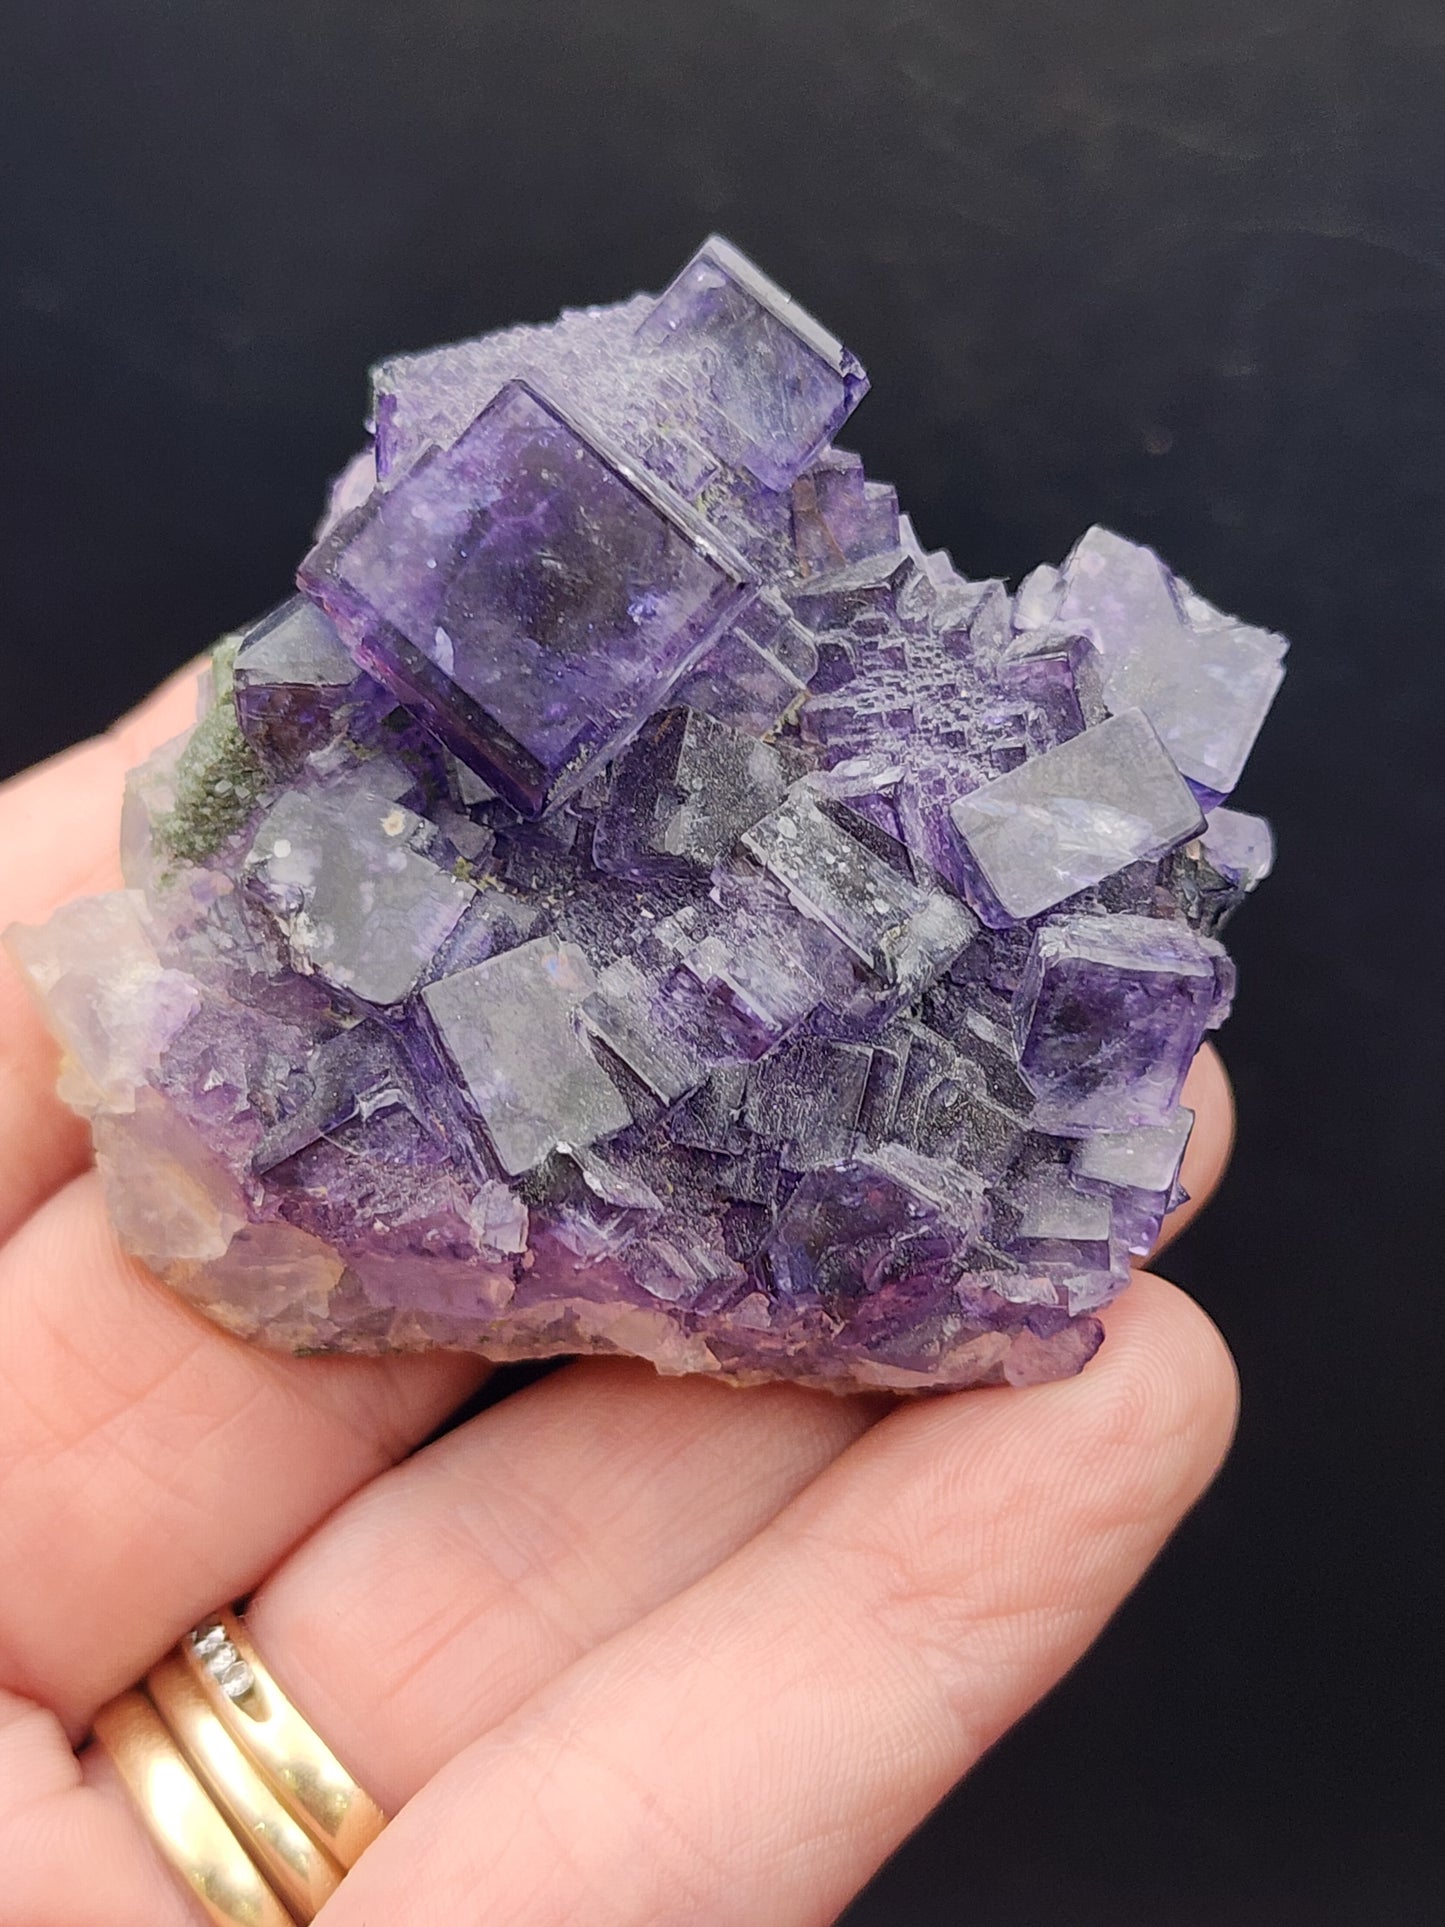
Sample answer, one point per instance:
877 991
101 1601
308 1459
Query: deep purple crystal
637 899
529 593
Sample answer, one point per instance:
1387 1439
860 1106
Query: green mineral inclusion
218 779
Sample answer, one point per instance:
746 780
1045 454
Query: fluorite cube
1060 1223
779 385
893 1224
1108 1014
1071 817
900 932
684 792
345 878
1137 1171
508 1026
1239 846
1204 680
292 676
531 594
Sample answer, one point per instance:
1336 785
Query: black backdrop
1178 265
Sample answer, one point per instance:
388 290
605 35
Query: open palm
621 1650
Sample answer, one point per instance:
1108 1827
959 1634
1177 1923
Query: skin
623 1649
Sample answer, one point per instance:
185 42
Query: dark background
1178 265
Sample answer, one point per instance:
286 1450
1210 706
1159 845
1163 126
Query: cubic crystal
508 1026
529 593
1204 680
1079 813
903 934
1138 1172
344 877
292 675
781 385
1108 1015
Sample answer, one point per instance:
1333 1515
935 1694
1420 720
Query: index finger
147 1459
59 838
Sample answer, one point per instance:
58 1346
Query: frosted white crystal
903 933
1144 1159
357 902
1204 680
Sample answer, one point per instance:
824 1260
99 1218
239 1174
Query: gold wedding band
302 1873
303 1771
185 1825
252 1810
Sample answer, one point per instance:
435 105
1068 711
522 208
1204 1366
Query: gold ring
186 1826
303 1772
302 1873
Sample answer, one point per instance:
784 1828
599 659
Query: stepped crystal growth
635 899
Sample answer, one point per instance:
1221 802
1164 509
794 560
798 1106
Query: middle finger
462 1581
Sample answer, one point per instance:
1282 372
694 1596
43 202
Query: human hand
620 1650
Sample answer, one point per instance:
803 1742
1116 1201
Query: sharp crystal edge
635 899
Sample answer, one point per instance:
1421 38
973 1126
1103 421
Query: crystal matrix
636 899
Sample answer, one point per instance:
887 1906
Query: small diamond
220 1657
206 1640
237 1680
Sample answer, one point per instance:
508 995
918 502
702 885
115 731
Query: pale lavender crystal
1059 1223
1137 1171
756 671
637 899
1204 680
662 1040
839 516
293 674
1239 846
684 792
900 932
507 1027
893 1223
1079 813
345 877
776 386
751 967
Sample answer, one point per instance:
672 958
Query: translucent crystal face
507 1027
1079 813
1205 680
531 595
636 899
777 385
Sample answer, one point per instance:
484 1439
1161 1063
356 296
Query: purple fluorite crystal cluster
636 899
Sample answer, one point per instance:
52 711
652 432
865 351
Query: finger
459 1582
60 838
58 821
752 1751
71 1848
1207 1092
464 1580
150 1464
421 1571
